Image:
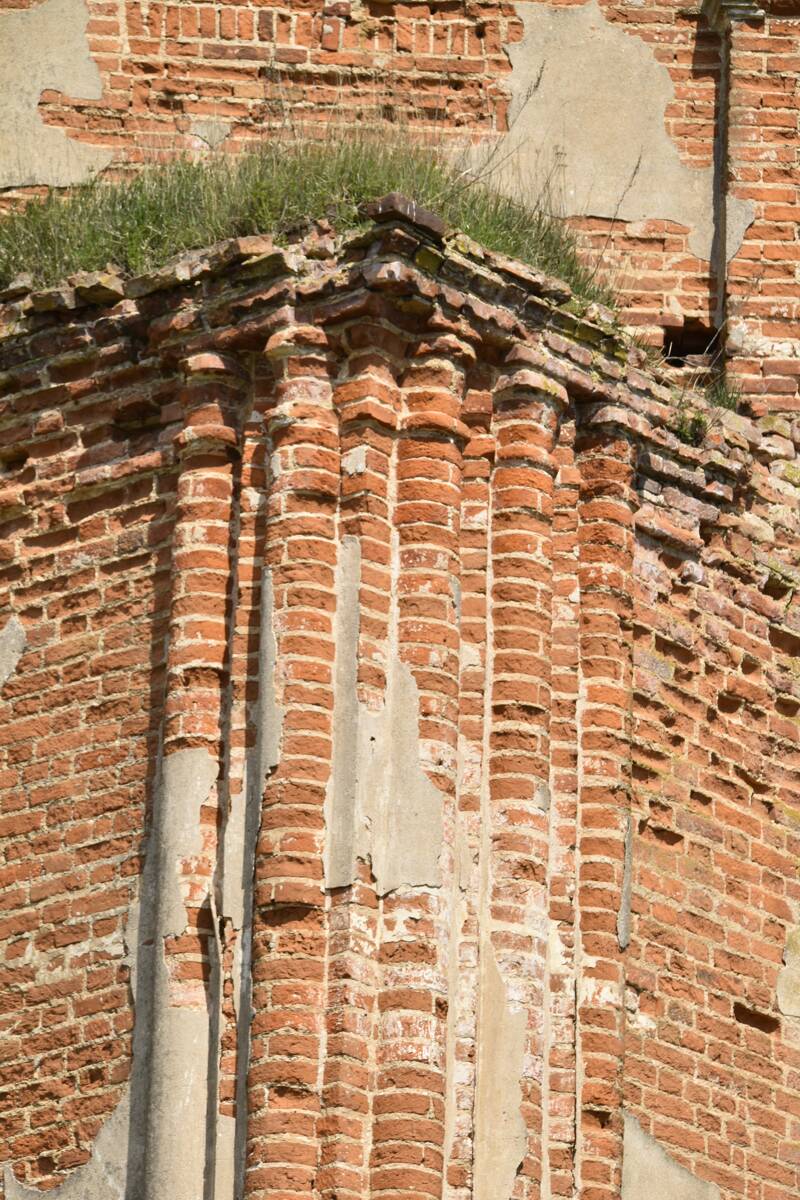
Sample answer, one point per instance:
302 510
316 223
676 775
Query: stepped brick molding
666 132
400 732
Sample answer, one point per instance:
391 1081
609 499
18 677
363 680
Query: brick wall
400 762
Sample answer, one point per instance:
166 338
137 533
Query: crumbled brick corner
261 507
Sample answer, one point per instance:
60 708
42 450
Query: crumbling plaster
587 128
45 47
500 1134
12 644
381 806
648 1171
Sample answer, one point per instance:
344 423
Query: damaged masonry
416 740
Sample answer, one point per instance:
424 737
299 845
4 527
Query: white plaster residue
45 47
587 115
789 977
176 1093
354 462
500 1134
381 807
12 644
648 1171
210 133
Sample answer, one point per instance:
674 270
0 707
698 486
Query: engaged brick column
285 1076
527 412
605 457
367 400
179 874
417 933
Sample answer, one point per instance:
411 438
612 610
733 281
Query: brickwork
186 78
447 702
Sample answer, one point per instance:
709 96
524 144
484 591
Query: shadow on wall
45 47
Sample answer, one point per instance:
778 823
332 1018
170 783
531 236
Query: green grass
138 224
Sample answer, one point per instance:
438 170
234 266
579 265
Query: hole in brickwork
785 641
787 706
755 1019
667 837
13 460
691 341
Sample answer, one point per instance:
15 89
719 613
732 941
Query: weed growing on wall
138 224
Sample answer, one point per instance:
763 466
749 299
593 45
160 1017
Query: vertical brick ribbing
559 1067
196 680
473 675
606 461
527 411
367 402
287 1043
408 1135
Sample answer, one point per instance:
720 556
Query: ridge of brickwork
221 479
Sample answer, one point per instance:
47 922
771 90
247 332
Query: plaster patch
103 1177
624 914
789 977
175 1095
381 806
211 133
45 47
12 644
588 104
647 1170
500 1135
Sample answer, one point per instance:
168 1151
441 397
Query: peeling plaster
588 103
789 977
244 835
12 644
381 807
211 133
500 1134
45 47
101 1178
624 914
648 1171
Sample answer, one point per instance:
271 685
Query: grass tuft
140 223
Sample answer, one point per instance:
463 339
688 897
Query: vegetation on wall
139 223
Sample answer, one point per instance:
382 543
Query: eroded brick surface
316 552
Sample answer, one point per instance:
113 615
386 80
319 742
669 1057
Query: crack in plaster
588 104
648 1170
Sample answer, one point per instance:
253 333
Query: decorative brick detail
449 700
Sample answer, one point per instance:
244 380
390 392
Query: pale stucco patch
500 1134
45 47
587 117
649 1173
381 807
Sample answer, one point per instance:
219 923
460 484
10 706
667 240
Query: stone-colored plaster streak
648 1171
500 1135
381 806
789 977
587 113
103 1177
45 47
12 644
624 913
179 1049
